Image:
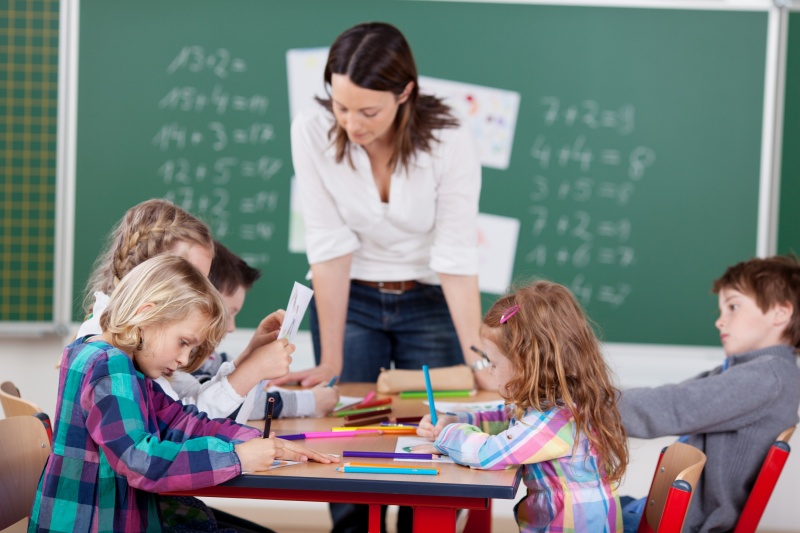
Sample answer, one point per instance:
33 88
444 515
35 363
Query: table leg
434 519
480 521
374 519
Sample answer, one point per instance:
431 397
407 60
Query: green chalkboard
788 214
633 171
28 111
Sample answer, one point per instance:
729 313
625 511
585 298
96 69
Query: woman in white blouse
389 182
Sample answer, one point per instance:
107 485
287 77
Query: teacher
389 182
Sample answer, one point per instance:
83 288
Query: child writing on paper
734 412
156 227
218 387
118 440
560 422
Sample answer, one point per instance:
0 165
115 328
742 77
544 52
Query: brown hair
770 281
176 289
229 271
147 230
558 363
376 56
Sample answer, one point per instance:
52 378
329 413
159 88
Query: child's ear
782 313
145 307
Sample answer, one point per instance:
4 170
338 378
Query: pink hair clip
508 313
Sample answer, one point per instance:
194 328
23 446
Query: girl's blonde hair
175 289
557 362
147 230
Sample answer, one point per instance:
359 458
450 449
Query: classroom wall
30 364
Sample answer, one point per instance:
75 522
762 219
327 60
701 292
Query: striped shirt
566 492
118 440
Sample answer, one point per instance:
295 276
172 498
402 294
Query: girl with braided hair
148 229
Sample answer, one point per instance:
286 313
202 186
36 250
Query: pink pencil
331 434
368 398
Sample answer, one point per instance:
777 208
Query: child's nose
719 323
183 357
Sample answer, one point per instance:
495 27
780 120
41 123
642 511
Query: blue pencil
332 382
376 470
430 394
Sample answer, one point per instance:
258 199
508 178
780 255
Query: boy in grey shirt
734 412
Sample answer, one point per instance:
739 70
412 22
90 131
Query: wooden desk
435 499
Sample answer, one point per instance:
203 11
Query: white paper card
404 445
298 303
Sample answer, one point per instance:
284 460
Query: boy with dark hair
218 387
734 412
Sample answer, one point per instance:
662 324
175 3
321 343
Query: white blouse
428 226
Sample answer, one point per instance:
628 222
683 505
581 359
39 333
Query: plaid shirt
566 492
118 440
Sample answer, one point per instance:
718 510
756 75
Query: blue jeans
632 511
410 330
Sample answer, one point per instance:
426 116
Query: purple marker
299 436
389 455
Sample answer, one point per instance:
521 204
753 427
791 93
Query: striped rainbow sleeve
536 438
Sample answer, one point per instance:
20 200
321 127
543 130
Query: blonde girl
118 440
560 420
148 229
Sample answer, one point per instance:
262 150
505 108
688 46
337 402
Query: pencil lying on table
379 465
390 455
331 434
384 470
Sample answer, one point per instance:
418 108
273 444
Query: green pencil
421 394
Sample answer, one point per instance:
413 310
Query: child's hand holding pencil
427 430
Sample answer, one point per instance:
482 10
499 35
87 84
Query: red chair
678 469
765 483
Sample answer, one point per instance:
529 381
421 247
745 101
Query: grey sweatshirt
732 416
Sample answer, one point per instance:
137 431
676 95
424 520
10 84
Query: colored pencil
415 395
384 465
373 403
366 421
359 411
332 382
389 455
429 390
374 470
400 425
270 409
333 434
368 414
297 436
368 398
385 429
407 419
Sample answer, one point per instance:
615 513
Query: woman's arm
331 295
464 301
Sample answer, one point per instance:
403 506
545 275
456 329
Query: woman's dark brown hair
376 56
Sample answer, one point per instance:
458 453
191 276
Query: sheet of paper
250 401
404 445
347 401
296 308
465 407
279 464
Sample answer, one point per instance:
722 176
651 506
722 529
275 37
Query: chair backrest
25 449
12 404
765 483
677 472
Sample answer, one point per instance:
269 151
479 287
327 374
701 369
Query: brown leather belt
389 287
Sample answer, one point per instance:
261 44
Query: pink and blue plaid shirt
118 440
566 490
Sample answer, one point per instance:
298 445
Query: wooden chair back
25 450
12 404
677 472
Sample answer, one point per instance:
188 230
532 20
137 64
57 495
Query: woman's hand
258 454
428 431
309 377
